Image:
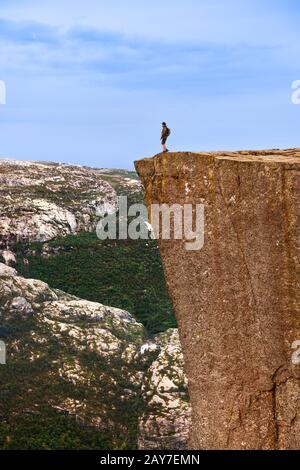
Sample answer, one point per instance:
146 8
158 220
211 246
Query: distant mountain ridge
41 201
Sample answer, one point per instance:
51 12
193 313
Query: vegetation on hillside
31 390
124 274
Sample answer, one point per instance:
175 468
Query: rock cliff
237 300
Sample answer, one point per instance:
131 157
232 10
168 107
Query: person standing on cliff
164 136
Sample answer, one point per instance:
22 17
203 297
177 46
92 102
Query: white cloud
218 70
215 21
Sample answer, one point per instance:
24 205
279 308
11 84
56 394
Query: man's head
164 124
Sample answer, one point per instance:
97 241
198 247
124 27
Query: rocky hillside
80 374
41 201
237 299
83 375
165 422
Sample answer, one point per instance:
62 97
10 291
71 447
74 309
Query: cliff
237 299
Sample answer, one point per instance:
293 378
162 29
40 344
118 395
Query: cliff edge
237 300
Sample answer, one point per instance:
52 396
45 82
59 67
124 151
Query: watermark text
296 354
2 352
296 93
2 92
166 222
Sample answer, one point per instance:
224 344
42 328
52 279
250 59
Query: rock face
41 201
89 362
237 300
166 420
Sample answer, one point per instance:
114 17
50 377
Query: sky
90 82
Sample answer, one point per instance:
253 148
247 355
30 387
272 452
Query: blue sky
90 82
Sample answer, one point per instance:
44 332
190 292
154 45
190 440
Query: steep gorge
81 373
237 300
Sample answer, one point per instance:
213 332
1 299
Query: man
164 136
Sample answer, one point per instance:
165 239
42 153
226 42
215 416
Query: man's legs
164 146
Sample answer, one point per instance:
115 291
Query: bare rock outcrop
165 422
40 201
237 300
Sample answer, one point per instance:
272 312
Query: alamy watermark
2 92
296 354
166 222
2 352
296 92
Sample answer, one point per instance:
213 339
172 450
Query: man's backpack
168 132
